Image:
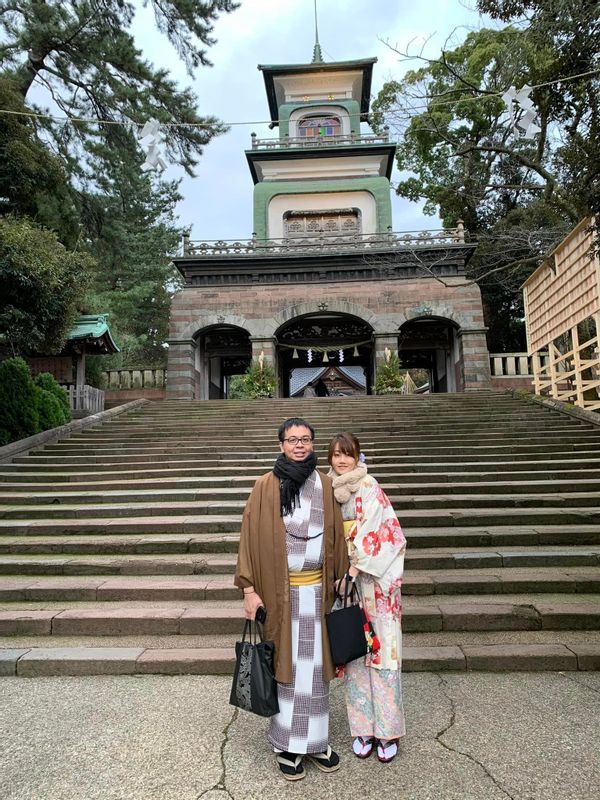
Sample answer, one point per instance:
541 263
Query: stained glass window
319 126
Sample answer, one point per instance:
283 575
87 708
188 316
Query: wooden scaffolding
562 314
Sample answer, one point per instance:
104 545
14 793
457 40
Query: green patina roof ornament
317 54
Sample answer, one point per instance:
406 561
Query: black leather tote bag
346 627
254 688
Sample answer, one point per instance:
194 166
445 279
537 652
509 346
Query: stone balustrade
511 365
311 142
85 398
124 379
323 242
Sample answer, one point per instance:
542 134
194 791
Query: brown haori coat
262 563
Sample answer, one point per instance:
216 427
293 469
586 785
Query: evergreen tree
43 285
84 54
131 231
518 195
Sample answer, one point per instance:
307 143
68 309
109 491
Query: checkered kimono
302 725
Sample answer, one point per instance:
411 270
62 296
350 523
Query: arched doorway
222 351
309 343
431 344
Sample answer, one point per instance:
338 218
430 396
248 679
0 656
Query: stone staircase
117 545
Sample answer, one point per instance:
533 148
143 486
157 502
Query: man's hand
252 603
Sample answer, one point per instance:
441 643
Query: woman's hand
252 603
340 585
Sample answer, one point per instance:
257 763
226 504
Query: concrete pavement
477 736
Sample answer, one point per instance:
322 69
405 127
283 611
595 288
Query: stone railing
324 243
122 379
85 398
515 365
311 142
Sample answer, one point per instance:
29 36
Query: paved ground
479 736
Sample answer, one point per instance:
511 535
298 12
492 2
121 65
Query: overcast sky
218 202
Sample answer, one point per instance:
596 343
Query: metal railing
355 242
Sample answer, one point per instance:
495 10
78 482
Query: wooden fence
562 313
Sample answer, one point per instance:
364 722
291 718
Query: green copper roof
93 328
271 71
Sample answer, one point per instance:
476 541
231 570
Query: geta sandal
326 762
388 751
290 766
362 746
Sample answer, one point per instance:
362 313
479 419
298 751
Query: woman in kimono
376 547
292 550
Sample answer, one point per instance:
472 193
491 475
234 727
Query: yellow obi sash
310 577
348 525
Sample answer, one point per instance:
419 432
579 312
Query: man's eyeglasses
297 439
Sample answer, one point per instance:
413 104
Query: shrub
50 411
19 415
389 380
27 406
46 382
258 381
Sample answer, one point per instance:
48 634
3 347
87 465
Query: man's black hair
289 423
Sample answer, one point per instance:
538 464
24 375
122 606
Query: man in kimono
292 551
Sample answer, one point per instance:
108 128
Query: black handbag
346 627
254 688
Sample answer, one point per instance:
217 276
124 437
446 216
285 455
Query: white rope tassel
526 123
151 141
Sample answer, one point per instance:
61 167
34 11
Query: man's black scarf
292 475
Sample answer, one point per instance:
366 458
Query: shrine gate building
324 279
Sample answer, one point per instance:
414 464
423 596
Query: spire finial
317 55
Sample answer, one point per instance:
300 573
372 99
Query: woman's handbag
254 687
346 627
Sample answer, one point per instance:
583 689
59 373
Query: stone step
207 523
223 535
409 481
483 613
424 541
383 451
374 420
121 562
80 661
400 493
207 440
578 459
205 586
414 473
482 509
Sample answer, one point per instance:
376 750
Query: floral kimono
376 547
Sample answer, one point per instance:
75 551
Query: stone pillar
182 376
475 359
267 346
